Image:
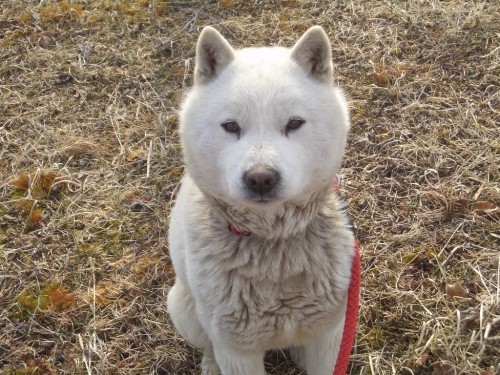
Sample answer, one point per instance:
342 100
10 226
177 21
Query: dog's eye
231 127
294 123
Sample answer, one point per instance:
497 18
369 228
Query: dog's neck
282 221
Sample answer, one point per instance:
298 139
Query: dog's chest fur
271 292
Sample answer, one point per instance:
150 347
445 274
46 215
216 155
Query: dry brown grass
89 161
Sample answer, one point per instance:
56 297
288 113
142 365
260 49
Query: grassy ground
90 160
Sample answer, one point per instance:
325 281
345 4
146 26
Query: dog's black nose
261 179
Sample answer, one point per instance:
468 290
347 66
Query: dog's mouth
262 199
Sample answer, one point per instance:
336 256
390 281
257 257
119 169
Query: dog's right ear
313 53
213 54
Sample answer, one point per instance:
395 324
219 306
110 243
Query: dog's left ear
313 53
213 54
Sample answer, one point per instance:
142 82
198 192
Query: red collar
237 233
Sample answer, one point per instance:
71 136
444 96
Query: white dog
260 243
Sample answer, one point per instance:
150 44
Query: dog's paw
208 364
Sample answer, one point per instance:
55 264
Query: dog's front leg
236 362
208 364
319 355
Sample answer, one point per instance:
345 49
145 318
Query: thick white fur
285 285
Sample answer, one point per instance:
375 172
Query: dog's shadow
278 362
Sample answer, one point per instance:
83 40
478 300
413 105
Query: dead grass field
90 160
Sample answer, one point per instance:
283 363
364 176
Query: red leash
351 315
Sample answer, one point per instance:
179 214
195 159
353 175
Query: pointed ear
313 53
213 54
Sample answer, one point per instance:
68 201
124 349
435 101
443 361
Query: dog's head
263 126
